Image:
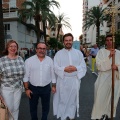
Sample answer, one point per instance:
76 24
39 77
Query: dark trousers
44 94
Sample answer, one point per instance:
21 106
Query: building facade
107 26
89 35
13 28
84 31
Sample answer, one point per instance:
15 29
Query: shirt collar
68 50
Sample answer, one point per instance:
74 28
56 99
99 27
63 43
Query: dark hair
108 36
68 34
39 43
5 52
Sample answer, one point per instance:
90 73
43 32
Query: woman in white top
11 72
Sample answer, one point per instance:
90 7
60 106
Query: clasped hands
70 69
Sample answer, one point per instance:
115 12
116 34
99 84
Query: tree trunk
98 35
59 27
44 30
58 32
37 30
2 41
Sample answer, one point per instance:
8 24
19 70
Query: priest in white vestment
102 92
69 67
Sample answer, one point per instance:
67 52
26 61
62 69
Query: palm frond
95 16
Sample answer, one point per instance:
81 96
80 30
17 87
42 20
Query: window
12 3
7 26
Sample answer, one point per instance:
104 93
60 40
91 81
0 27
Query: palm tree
47 18
96 17
2 41
34 9
62 20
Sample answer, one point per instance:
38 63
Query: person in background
103 87
69 67
32 52
38 77
27 53
12 73
93 53
86 52
21 53
82 50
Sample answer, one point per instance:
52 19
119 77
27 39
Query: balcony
10 15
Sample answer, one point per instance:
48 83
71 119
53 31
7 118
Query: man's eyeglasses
41 48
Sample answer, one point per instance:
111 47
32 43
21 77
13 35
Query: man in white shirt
69 67
37 79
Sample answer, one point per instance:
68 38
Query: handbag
4 113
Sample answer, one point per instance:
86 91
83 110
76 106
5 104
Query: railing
10 15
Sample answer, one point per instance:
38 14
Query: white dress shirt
39 73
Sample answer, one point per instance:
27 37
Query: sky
73 10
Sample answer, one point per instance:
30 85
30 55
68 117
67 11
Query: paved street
86 101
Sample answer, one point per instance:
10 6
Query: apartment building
25 36
89 35
109 3
85 9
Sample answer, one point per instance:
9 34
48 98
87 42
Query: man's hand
70 69
53 89
114 67
28 93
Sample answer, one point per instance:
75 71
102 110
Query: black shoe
104 117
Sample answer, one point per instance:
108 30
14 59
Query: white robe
102 92
66 98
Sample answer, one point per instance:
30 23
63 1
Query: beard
68 46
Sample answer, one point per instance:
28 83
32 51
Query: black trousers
44 94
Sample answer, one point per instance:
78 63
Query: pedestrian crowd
60 73
26 53
89 52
